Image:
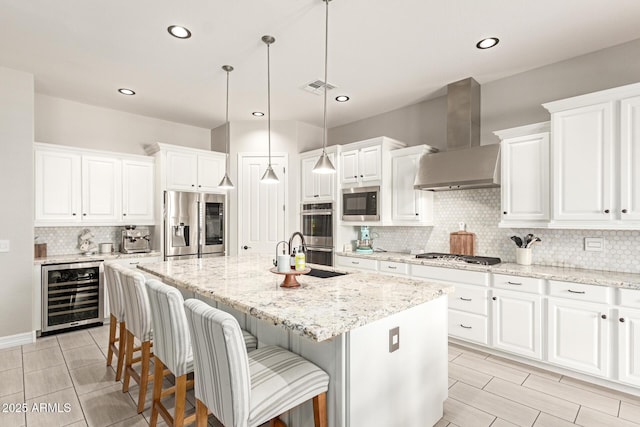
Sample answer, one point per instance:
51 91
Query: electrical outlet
594 244
4 246
394 339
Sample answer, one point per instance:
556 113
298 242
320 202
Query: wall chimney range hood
466 164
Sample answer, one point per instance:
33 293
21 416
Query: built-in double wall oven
317 229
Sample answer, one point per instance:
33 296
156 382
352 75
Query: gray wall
16 193
509 102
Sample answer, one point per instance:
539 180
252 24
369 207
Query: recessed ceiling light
257 113
342 98
126 91
179 32
487 43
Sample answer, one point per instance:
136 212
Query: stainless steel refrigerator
194 225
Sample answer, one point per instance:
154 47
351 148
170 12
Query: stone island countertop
319 309
567 274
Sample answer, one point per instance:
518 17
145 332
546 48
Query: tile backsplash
480 210
64 240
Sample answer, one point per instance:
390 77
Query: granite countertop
319 309
58 259
567 274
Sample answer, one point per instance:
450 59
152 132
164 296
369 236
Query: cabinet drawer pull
392 267
465 299
515 283
355 262
576 292
134 263
463 326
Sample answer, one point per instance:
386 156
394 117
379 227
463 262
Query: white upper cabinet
525 175
630 159
361 162
57 186
91 187
188 169
137 191
595 140
314 186
101 188
409 206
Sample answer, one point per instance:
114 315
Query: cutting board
462 243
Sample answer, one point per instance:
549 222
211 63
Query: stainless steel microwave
361 204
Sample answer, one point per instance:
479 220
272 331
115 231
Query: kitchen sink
324 274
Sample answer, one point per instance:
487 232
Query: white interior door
261 207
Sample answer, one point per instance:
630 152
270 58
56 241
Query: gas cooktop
470 259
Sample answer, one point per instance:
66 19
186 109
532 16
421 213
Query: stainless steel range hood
466 163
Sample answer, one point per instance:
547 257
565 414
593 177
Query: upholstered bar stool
247 389
138 316
172 349
116 317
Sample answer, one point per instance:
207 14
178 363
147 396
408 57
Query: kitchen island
382 339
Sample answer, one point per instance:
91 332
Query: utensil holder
523 256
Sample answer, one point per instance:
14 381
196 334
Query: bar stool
138 316
172 349
247 389
116 317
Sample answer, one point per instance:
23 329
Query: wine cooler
72 295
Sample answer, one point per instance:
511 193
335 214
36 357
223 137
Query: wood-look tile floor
484 390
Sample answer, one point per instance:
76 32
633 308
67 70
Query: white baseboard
18 339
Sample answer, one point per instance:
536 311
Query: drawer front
394 267
468 326
517 283
580 292
629 297
471 300
134 262
361 263
451 275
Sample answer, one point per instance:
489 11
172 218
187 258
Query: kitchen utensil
517 240
528 238
534 240
462 243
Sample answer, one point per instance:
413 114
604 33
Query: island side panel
406 387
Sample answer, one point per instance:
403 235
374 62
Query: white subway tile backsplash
480 210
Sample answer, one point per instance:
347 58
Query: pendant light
324 165
226 183
269 176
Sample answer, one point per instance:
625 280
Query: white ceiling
383 54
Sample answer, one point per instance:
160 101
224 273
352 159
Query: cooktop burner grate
470 259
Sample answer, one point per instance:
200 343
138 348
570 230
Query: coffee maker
135 240
364 245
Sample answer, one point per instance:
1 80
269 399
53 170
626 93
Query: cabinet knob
621 320
417 214
245 247
124 214
355 176
495 298
193 185
624 211
199 185
316 195
74 214
504 212
361 176
84 214
606 211
604 316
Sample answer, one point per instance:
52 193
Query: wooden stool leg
157 390
113 323
277 422
181 401
122 345
202 414
144 375
320 410
129 363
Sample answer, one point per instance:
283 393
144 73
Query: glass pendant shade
324 165
226 183
269 176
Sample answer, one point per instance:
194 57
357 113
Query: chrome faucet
297 233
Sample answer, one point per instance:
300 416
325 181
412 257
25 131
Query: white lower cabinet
517 323
629 346
353 262
468 326
578 335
